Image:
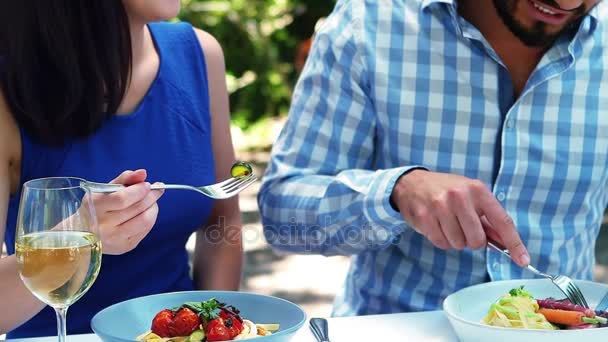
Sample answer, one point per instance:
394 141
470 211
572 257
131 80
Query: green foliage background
260 40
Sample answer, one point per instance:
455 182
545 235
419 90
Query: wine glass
57 245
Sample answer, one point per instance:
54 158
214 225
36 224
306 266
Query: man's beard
537 35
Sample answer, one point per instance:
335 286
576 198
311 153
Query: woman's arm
124 217
17 304
218 252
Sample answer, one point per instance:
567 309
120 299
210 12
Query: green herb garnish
520 292
207 310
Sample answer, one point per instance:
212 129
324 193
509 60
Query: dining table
428 326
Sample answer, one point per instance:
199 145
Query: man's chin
536 39
530 32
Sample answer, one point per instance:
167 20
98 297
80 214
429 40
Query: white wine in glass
57 244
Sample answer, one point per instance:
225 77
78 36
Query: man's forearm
331 215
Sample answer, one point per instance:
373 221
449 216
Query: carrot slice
564 317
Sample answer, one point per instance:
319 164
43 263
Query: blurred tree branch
260 40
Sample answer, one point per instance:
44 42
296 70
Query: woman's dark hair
64 64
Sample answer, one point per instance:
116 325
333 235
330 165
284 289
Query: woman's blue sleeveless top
169 134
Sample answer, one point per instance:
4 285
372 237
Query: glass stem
61 313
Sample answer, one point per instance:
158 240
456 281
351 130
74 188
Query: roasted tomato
166 323
162 324
225 327
185 322
221 322
217 331
232 322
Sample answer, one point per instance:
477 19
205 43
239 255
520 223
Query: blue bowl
127 320
466 308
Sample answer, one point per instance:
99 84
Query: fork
221 190
564 283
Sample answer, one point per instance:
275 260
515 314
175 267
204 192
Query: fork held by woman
221 190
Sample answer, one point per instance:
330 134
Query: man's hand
456 212
125 217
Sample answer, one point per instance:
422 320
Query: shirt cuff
377 205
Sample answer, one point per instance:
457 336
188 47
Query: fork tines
571 291
237 182
578 295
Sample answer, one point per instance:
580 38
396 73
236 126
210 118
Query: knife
319 329
603 305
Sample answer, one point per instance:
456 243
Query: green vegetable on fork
240 169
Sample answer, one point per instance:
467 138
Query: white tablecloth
430 326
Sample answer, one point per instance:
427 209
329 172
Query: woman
91 88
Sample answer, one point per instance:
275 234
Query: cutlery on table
564 283
221 190
320 329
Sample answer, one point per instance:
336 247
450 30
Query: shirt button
510 123
501 196
496 266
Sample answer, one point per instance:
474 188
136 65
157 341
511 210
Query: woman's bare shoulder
214 55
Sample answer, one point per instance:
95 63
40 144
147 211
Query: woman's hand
453 211
125 217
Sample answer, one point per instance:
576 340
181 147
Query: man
421 129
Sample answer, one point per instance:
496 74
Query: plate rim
290 330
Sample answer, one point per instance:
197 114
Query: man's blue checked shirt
392 85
